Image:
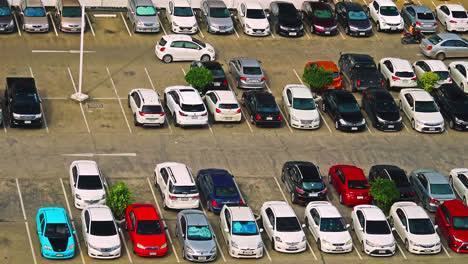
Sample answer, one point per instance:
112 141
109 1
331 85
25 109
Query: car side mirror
132 228
133 12
447 225
361 229
39 232
270 226
183 235
120 230
21 13
348 226
226 230
303 225
436 226
157 13
261 230
74 232
393 229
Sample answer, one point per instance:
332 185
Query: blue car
217 187
55 233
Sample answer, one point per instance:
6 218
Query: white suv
300 107
328 227
181 17
453 17
398 73
186 106
252 18
183 48
87 184
100 232
282 227
223 106
240 231
436 66
177 186
146 107
386 15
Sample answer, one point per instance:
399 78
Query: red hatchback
350 183
146 230
452 218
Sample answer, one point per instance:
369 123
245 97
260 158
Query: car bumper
200 258
217 30
358 33
103 255
151 121
424 250
154 28
185 30
321 32
33 29
391 28
35 122
241 253
285 248
379 251
70 29
350 128
193 122
461 127
389 126
355 201
150 253
459 247
257 32
58 255
81 204
306 198
305 125
7 29
269 123
455 27
429 129
287 33
431 29
219 117
249 85
336 249
404 84
190 204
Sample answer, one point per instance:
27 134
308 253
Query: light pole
80 97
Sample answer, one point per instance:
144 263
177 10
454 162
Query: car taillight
161 114
429 48
214 203
414 79
435 24
196 197
279 117
162 49
243 78
205 114
141 113
453 21
239 111
434 200
241 202
218 111
340 80
225 83
299 190
418 23
450 79
263 78
412 193
395 78
358 83
172 197
182 114
258 117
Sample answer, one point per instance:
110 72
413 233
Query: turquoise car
55 233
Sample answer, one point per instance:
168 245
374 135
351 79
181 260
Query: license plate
292 33
2 29
201 258
269 118
339 248
105 254
74 29
326 32
362 33
427 250
381 251
37 29
59 255
393 28
194 117
432 129
354 128
391 126
247 252
313 194
184 199
152 253
217 84
27 122
228 118
360 197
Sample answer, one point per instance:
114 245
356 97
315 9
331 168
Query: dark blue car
217 187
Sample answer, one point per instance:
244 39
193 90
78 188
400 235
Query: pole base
80 97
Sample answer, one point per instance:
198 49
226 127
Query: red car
452 218
350 183
146 230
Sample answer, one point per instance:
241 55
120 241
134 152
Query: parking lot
35 161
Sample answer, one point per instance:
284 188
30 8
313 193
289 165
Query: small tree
317 77
199 78
384 192
118 198
427 81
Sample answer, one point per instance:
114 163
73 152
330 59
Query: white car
100 232
435 66
421 110
459 72
328 227
373 231
300 107
240 231
386 15
453 17
252 18
459 181
223 106
415 228
146 107
177 186
398 73
88 186
186 106
181 17
283 227
183 48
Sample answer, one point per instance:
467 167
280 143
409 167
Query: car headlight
301 27
11 23
38 115
319 27
47 247
16 116
116 247
139 23
213 250
438 243
77 196
211 50
303 238
174 24
333 28
268 26
103 196
140 246
369 28
317 119
342 121
420 122
214 26
371 244
195 25
456 239
278 239
400 119
458 121
383 23
163 246
363 121
352 28
189 250
234 244
93 247
283 27
294 118
380 120
260 244
414 243
70 247
325 242
349 242
247 25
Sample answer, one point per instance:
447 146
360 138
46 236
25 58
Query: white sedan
415 228
453 17
183 48
459 181
223 106
421 110
252 18
328 228
181 17
300 107
87 184
459 72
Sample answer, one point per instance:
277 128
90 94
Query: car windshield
219 12
357 15
389 11
252 70
34 12
387 106
404 74
201 232
183 11
421 226
348 108
71 11
57 230
103 228
217 73
193 108
332 225
186 189
304 103
152 109
426 16
434 40
377 227
226 191
149 227
459 14
199 42
255 14
460 222
287 224
89 182
358 184
146 11
441 189
244 228
26 98
444 75
426 107
323 14
270 108
4 11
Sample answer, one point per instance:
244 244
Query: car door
423 188
458 73
135 102
204 12
163 180
226 227
178 51
340 184
40 227
287 101
288 178
408 105
374 11
401 224
333 106
85 226
269 222
182 230
274 13
131 225
234 69
370 107
340 13
210 100
192 51
359 225
387 69
315 223
459 184
73 179
172 101
442 14
446 220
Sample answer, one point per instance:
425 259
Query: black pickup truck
360 71
23 105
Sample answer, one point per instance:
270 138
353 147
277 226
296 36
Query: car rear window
228 106
444 75
425 16
404 74
4 11
151 109
434 40
459 14
358 184
441 189
225 191
185 189
162 42
271 108
193 108
252 70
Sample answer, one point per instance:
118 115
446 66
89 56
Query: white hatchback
454 17
436 66
183 48
398 73
186 106
146 107
87 184
181 17
300 107
386 15
252 18
459 72
459 181
223 106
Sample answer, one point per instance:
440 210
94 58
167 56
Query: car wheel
135 122
363 248
319 245
346 30
205 58
391 221
337 125
441 56
293 198
134 28
341 199
324 107
167 59
176 124
377 24
273 243
451 124
406 244
412 124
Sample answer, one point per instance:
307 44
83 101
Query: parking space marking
30 242
199 31
125 245
53 23
235 31
26 222
368 129
341 34
401 250
307 33
285 119
81 103
247 121
61 51
90 26
17 25
42 109
117 95
310 249
357 251
216 240
446 252
281 190
100 154
21 200
433 3
161 25
268 254
126 26
149 78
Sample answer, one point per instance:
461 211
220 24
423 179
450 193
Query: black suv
22 102
220 81
382 110
360 71
285 19
397 175
453 105
304 181
344 110
262 108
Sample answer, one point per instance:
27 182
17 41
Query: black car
343 110
453 104
7 24
22 102
304 181
382 110
360 71
397 175
352 17
285 19
220 81
262 108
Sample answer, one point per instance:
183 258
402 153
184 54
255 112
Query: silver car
143 16
422 16
443 46
247 73
33 16
196 236
216 16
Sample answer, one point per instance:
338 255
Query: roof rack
171 174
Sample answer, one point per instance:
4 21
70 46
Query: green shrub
427 81
317 77
384 192
199 78
118 198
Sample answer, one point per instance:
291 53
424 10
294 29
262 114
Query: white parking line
183 70
149 78
125 244
357 251
125 22
235 31
307 34
405 126
401 250
61 51
17 25
42 109
281 190
100 154
220 250
81 104
285 119
117 95
161 25
247 121
364 2
368 129
199 31
21 200
268 254
311 251
341 34
90 26
297 75
446 252
30 242
53 23
26 223
433 3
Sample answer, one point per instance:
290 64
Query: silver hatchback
444 45
216 16
422 16
247 73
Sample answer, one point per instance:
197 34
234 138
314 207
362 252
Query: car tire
341 199
319 245
293 198
363 248
273 243
406 244
377 25
413 126
391 221
451 124
346 30
282 176
441 56
175 120
205 58
167 59
324 107
134 28
401 106
337 125
135 122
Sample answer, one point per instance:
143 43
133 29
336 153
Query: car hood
461 234
365 23
391 19
27 109
148 19
354 117
424 239
71 20
90 194
247 241
220 21
434 117
185 21
291 236
380 239
5 19
150 240
36 20
324 22
336 237
257 23
201 246
305 114
59 244
290 21
389 116
104 241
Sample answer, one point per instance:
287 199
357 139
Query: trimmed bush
384 192
198 78
317 77
427 81
118 198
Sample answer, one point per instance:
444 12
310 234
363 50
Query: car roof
219 177
189 95
280 208
453 92
353 173
400 64
456 208
241 213
432 176
455 7
418 94
34 3
343 95
180 172
325 209
371 212
252 4
215 3
379 93
249 62
225 96
327 65
71 3
24 84
145 211
87 167
299 91
194 217
283 4
385 2
360 57
99 213
149 96
54 214
173 37
181 3
318 5
421 9
412 210
351 6
263 96
211 65
436 65
446 36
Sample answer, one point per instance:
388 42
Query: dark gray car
143 16
6 18
247 73
216 16
422 16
